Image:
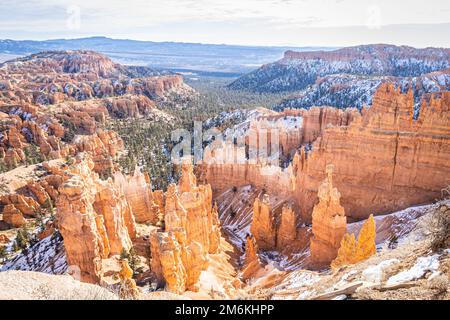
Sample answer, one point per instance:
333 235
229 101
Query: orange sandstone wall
383 161
225 166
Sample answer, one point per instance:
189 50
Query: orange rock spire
328 223
263 224
192 231
352 251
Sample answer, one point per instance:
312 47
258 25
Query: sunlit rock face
383 161
263 224
287 231
252 262
329 224
94 219
352 251
191 232
138 192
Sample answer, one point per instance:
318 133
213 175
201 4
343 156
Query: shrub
23 239
3 253
132 258
440 228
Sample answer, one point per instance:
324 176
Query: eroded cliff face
400 161
228 165
94 219
383 161
263 224
274 226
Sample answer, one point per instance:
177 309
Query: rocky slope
53 104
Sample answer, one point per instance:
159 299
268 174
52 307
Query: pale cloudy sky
254 22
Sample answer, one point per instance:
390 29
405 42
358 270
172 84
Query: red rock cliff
384 161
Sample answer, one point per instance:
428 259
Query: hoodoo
352 251
328 223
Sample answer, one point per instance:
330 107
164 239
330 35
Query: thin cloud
236 21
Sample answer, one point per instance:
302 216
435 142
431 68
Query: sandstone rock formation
13 216
287 231
191 232
252 262
328 223
274 225
401 161
84 88
263 224
229 165
352 251
128 288
138 192
92 217
25 205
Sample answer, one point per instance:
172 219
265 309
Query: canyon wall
383 161
226 165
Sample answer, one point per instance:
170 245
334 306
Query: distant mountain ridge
161 55
83 61
349 77
297 70
344 90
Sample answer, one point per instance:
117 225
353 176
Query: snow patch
375 274
423 265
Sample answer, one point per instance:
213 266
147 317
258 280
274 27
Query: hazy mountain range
228 60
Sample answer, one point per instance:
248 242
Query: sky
417 23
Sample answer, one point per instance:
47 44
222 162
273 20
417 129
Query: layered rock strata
400 161
229 164
383 161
